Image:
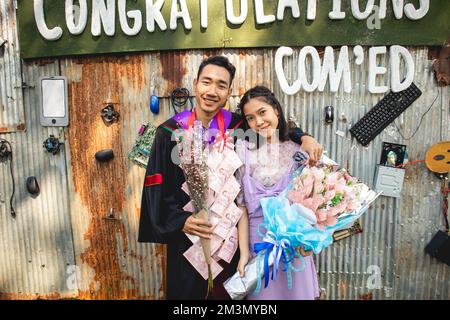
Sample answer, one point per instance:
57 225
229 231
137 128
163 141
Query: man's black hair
220 61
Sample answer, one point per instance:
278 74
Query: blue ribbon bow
282 252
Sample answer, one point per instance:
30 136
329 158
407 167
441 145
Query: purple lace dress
266 172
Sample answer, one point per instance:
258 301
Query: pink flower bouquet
324 193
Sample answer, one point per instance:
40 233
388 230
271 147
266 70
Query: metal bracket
111 216
24 86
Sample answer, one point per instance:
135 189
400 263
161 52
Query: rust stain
137 212
342 290
59 296
161 254
212 52
44 61
140 259
102 186
366 296
19 127
48 296
441 65
173 70
133 70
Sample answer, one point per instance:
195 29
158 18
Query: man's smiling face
212 88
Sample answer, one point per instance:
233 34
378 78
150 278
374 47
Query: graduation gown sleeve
162 216
296 134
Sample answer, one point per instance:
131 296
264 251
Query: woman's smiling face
261 117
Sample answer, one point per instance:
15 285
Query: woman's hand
242 263
302 251
313 148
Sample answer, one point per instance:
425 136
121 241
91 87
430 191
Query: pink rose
307 203
331 221
322 215
330 194
340 207
308 185
318 187
318 174
296 196
332 178
317 201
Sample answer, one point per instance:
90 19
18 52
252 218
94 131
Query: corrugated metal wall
396 231
61 245
36 248
11 98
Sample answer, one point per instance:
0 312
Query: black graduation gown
162 219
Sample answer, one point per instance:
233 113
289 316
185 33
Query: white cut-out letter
417 14
312 10
39 16
315 68
281 76
358 51
76 12
337 13
102 15
283 4
375 70
396 53
261 18
382 9
230 12
153 11
357 12
397 6
335 74
204 14
183 14
135 15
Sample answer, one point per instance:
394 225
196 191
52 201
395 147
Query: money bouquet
193 162
318 201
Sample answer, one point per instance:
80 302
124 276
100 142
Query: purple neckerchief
183 117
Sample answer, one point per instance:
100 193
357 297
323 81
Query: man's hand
198 227
313 148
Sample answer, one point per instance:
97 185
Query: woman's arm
243 241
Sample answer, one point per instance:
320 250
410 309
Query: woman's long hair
264 94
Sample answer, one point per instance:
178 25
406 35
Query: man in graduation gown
162 218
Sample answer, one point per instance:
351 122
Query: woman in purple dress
268 165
